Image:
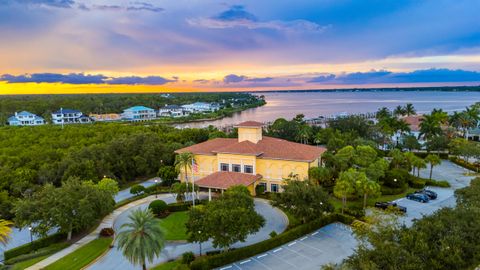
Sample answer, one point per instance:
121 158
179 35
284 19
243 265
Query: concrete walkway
107 222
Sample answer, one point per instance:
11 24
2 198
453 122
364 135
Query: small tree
137 190
179 189
433 160
419 163
109 185
158 207
345 184
303 199
367 187
168 174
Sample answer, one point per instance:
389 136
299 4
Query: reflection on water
314 104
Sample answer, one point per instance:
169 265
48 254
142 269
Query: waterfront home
172 111
413 122
201 107
107 117
25 118
250 160
138 113
69 116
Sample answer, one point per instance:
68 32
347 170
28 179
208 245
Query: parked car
419 197
385 205
432 195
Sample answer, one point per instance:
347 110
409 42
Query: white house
138 113
69 116
172 111
201 107
25 118
413 122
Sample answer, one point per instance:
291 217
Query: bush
137 190
436 183
159 208
218 260
442 155
183 206
357 211
417 182
400 175
181 267
273 234
37 244
393 191
259 189
107 232
464 164
188 257
39 253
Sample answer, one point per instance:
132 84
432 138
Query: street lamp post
156 188
31 235
200 243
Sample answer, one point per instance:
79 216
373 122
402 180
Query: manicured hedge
464 164
436 183
35 245
209 262
183 206
416 182
425 154
393 191
39 253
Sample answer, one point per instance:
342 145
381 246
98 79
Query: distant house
107 117
138 113
201 107
172 111
69 116
413 122
25 118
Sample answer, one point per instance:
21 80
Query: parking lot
335 242
329 244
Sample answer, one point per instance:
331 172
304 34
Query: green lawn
82 256
27 263
167 266
337 203
174 226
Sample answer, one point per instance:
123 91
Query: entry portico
220 181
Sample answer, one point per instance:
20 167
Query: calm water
315 104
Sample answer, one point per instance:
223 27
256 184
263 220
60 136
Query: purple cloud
232 78
80 78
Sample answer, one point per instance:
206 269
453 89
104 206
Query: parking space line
238 267
291 250
277 250
261 256
309 246
291 244
246 261
264 265
285 261
315 233
301 239
226 267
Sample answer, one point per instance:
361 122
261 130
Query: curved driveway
275 220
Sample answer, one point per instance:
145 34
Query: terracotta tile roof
413 121
268 147
250 124
224 180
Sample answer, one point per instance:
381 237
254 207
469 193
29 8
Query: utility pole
193 184
61 115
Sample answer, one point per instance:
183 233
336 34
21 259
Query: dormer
250 131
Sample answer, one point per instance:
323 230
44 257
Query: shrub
188 257
181 267
159 208
416 182
273 234
183 206
137 190
396 178
37 244
107 232
464 164
39 253
393 191
355 211
436 183
259 189
218 260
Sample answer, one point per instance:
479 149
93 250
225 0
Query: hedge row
442 155
39 253
210 262
464 164
35 245
183 206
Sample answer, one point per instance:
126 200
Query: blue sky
240 44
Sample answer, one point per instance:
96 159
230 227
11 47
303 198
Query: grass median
174 226
82 256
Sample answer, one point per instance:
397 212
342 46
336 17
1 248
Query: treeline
33 156
44 105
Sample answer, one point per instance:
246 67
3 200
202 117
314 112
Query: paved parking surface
330 244
335 242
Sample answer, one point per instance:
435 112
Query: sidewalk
107 222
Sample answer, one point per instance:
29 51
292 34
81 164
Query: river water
315 104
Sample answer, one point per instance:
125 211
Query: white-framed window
224 167
274 187
236 168
248 169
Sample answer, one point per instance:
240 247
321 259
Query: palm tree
367 187
5 230
399 111
434 160
419 163
409 109
345 184
142 239
304 133
430 126
383 113
184 161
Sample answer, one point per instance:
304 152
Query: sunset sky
81 46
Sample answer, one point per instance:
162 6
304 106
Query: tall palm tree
141 239
5 230
304 133
184 161
433 160
430 126
409 109
399 111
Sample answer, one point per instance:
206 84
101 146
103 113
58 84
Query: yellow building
250 160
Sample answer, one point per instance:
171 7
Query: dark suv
385 205
431 194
